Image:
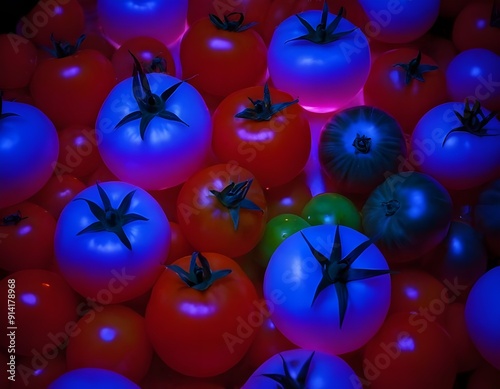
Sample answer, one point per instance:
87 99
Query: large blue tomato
324 66
111 242
92 378
329 288
154 130
301 368
29 147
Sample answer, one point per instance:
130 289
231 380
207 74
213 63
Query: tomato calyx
473 121
323 33
414 69
199 277
362 144
391 207
495 14
2 114
233 197
232 25
62 49
150 105
338 271
13 219
286 380
111 219
263 110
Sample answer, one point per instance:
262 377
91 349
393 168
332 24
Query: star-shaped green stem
233 197
263 110
62 49
4 115
150 104
13 219
286 380
231 24
415 70
199 277
495 14
472 121
111 219
323 33
338 271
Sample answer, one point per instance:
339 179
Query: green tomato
277 230
332 208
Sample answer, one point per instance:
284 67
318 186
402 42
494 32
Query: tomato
324 67
269 131
277 230
487 215
70 89
302 368
474 74
399 21
63 18
28 147
484 377
111 241
37 293
222 208
412 85
179 245
359 147
457 144
223 55
123 19
101 174
322 295
37 372
96 41
92 377
288 198
167 198
113 338
19 60
410 213
200 317
451 8
474 27
174 130
57 193
27 232
154 55
400 354
482 314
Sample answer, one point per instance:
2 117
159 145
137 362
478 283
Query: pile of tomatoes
250 194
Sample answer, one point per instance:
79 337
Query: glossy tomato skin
29 243
92 377
411 211
70 90
292 277
324 77
357 164
34 373
220 61
149 162
275 150
323 371
203 333
332 208
19 60
29 148
462 161
407 103
487 215
97 264
113 338
207 224
288 198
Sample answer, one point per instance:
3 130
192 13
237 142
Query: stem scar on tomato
231 25
199 277
111 219
150 105
414 69
362 144
338 271
323 33
473 121
263 110
286 380
233 197
13 220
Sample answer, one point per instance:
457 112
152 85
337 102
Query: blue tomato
92 378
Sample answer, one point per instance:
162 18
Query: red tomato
484 377
27 235
96 41
222 209
113 338
179 245
37 372
288 198
223 56
167 198
101 174
451 8
407 94
19 59
154 56
268 135
201 325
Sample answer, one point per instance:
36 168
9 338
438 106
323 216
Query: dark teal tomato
332 208
487 215
92 378
359 147
411 213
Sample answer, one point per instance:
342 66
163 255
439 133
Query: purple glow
261 136
107 334
406 344
481 24
412 293
220 44
193 309
29 298
71 72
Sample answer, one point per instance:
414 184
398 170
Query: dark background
11 11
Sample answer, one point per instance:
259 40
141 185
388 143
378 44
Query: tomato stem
13 219
229 24
287 380
362 144
414 69
391 207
